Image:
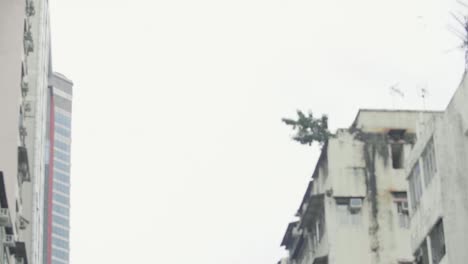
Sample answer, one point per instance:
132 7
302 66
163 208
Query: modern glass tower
57 179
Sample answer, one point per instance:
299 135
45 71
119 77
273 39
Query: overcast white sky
178 153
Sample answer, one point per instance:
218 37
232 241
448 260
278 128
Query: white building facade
25 72
40 70
438 183
18 133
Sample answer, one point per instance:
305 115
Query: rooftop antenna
394 92
423 92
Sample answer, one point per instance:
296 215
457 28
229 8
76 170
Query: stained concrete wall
446 195
385 242
348 168
453 160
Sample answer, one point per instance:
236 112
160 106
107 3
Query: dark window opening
422 255
437 242
402 209
321 260
396 134
397 156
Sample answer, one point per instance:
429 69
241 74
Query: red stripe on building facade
50 176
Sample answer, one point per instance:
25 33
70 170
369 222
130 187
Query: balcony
313 221
30 9
295 240
5 217
291 235
297 247
28 42
23 165
313 209
24 85
8 241
19 250
22 222
3 196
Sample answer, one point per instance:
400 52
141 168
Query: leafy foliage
309 129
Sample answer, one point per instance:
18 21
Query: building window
61 198
60 243
304 252
60 254
62 156
318 230
62 131
415 186
397 156
403 214
429 162
62 146
61 187
401 203
62 119
437 242
60 232
397 148
5 257
60 220
322 260
349 211
61 166
62 177
422 254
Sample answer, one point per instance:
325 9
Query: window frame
350 218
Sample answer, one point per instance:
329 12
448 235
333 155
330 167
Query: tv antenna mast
423 93
394 92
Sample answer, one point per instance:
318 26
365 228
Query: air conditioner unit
355 204
29 46
296 232
23 222
30 10
9 241
5 217
404 206
24 85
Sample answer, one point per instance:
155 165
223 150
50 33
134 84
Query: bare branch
462 3
457 33
458 19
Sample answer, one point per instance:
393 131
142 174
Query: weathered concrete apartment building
355 209
390 189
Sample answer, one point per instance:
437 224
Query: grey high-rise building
56 228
